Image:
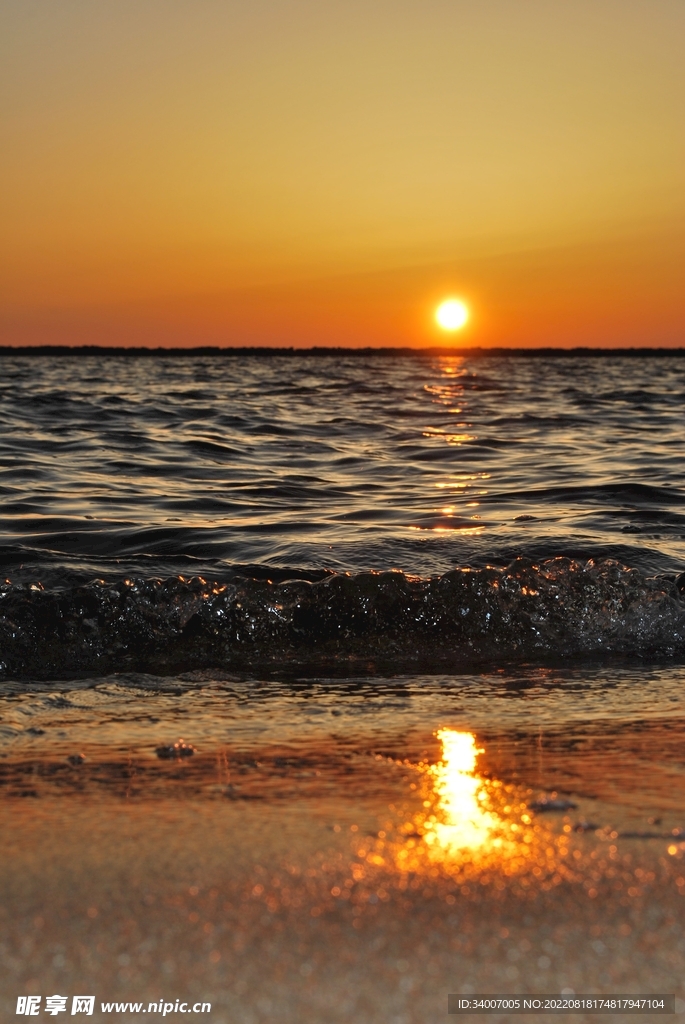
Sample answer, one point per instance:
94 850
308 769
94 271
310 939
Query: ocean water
333 684
174 514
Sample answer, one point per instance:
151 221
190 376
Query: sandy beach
325 873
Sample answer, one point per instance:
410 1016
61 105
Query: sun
452 314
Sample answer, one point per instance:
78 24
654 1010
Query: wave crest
560 607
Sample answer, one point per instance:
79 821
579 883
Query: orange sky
270 172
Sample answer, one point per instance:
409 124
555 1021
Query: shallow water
605 734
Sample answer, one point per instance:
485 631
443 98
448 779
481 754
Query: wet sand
338 874
233 905
263 909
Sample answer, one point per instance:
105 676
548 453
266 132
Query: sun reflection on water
462 821
472 825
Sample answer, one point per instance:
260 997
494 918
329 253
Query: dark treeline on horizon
326 351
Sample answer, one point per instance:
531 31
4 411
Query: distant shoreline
270 352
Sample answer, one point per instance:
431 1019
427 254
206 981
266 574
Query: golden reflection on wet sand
473 827
460 796
321 887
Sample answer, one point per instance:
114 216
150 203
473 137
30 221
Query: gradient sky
308 172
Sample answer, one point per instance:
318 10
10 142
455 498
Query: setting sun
452 314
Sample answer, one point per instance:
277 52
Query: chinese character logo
82 1004
28 1005
55 1004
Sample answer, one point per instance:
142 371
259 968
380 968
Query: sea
170 514
285 590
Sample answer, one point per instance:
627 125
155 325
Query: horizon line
266 351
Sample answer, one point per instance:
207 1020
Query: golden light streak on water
460 796
472 828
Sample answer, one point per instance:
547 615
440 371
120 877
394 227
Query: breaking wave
558 608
